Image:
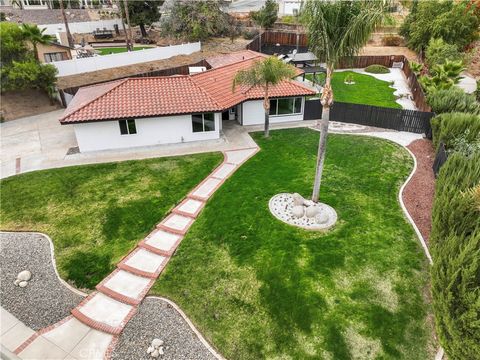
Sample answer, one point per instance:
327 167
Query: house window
286 106
127 127
56 56
203 122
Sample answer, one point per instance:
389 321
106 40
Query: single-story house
53 51
174 109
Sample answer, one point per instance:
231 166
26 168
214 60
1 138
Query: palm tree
337 30
67 28
264 74
127 16
36 36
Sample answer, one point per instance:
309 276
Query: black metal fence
312 110
387 118
440 158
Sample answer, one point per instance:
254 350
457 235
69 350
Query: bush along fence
395 119
440 159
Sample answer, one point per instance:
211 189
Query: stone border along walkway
93 328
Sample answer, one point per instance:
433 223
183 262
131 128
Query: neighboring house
48 4
52 51
174 109
289 7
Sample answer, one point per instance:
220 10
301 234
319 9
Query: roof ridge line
204 91
120 82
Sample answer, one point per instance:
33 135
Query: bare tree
65 21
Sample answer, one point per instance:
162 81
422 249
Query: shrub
250 34
444 76
477 92
438 51
455 243
454 21
452 100
267 15
392 40
416 67
377 69
449 126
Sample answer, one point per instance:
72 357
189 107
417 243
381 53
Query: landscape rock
298 199
155 353
321 218
311 211
298 211
157 342
160 350
22 284
24 275
150 349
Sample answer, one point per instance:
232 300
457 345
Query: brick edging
166 253
182 232
40 332
194 215
103 288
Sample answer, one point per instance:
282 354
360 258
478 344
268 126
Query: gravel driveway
156 318
45 300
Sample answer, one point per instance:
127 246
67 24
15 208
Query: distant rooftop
45 16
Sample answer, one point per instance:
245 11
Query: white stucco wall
254 114
104 135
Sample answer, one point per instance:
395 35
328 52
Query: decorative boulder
308 202
298 211
311 211
157 342
22 284
298 199
155 353
160 350
150 349
321 218
24 275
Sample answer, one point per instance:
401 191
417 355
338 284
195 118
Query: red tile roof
209 91
227 59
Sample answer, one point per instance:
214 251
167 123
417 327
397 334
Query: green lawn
367 90
258 288
96 213
116 50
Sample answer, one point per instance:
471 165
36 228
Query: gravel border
157 318
46 299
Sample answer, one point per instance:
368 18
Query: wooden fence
312 110
387 118
440 159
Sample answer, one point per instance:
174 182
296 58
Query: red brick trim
40 332
110 348
152 275
103 288
18 165
175 231
177 210
97 324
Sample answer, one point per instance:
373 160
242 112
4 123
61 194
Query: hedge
455 245
449 126
453 100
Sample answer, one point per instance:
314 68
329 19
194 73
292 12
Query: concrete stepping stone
67 335
239 156
144 263
205 189
125 287
189 207
104 313
161 242
41 348
176 223
224 171
93 346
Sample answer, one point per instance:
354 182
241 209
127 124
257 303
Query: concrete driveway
30 143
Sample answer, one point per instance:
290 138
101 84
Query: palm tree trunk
266 106
35 51
65 21
127 16
327 100
127 39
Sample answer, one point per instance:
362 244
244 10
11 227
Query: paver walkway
93 328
